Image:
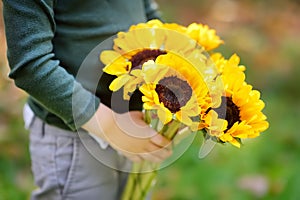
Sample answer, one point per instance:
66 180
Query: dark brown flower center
143 56
228 111
173 93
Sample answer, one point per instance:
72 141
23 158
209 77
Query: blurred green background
265 34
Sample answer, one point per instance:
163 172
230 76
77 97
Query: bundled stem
143 175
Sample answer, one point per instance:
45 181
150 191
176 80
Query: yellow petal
118 82
146 89
109 56
235 143
136 72
164 115
117 68
186 44
148 106
152 72
149 38
130 87
184 118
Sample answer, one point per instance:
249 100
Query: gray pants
66 165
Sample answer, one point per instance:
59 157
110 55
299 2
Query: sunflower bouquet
185 87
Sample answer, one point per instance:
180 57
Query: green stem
144 181
131 183
170 129
139 182
149 183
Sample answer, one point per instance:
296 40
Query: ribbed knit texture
47 42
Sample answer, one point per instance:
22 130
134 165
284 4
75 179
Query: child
71 128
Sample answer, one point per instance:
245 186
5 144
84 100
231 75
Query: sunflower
155 23
143 42
175 88
121 66
232 64
155 37
205 36
240 114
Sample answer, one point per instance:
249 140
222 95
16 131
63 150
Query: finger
159 152
160 141
162 153
133 157
151 157
136 114
133 125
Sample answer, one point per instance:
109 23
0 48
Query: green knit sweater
47 43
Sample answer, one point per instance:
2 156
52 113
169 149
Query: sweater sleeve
30 28
151 9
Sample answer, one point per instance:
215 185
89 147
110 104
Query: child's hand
129 134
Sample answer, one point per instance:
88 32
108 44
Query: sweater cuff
84 106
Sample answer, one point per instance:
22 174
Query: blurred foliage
15 177
265 34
